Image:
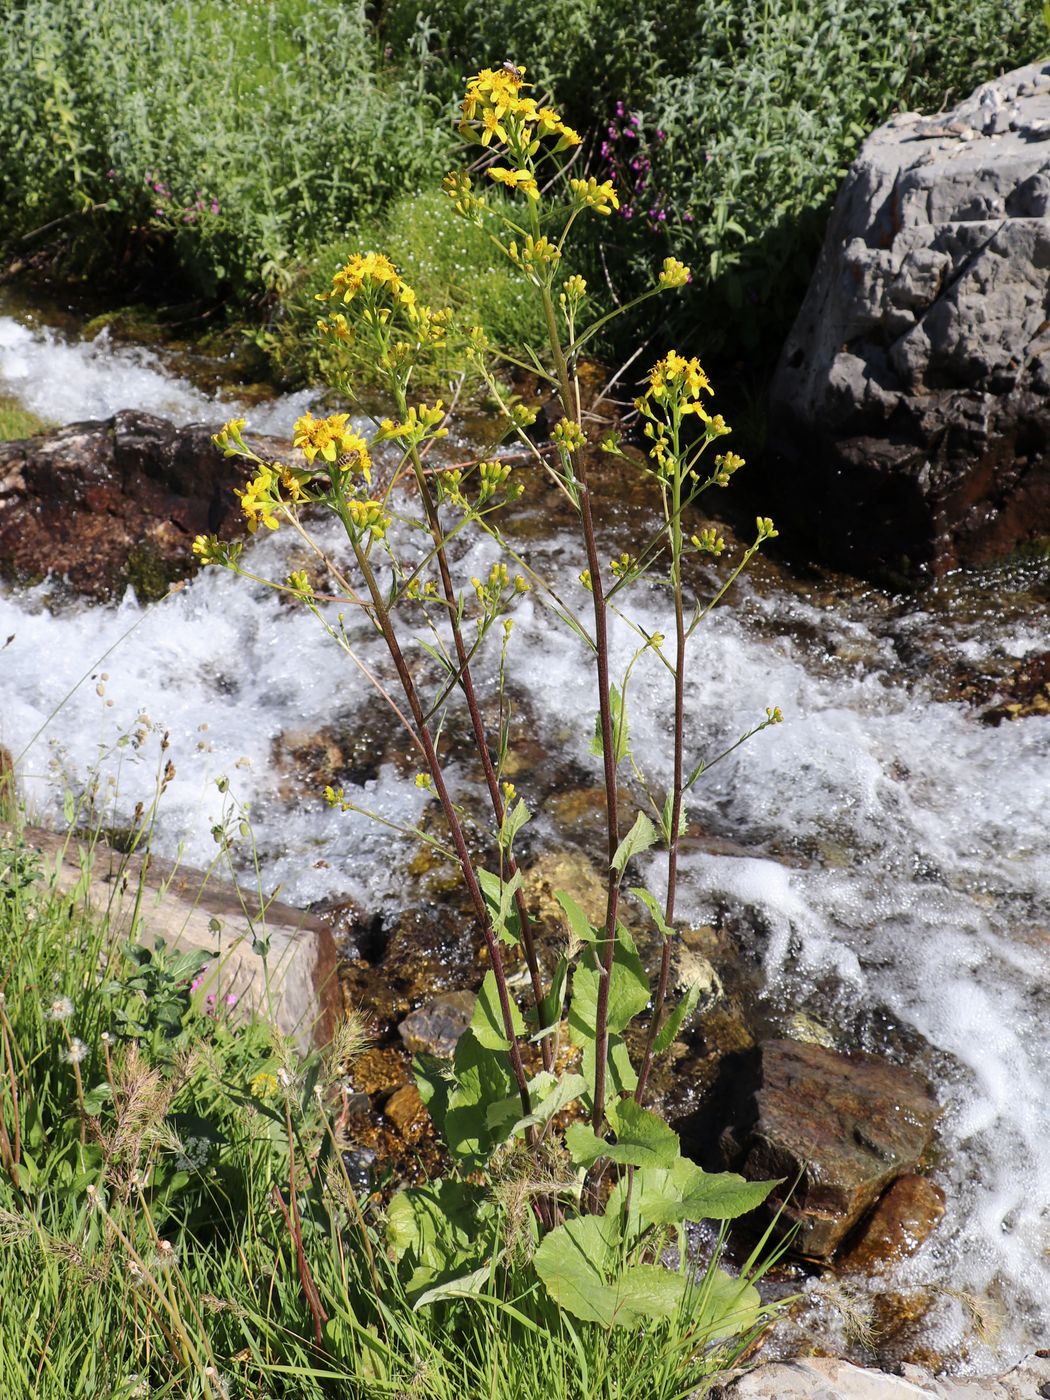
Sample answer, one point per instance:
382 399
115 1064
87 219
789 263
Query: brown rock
405 1109
436 1027
116 502
903 1219
845 1125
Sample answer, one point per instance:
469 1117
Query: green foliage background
307 121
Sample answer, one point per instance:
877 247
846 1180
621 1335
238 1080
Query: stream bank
871 874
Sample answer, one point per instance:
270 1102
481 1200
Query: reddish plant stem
601 638
382 618
672 847
481 742
601 645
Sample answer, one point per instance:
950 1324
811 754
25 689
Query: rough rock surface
115 502
435 1028
826 1378
909 423
905 1217
298 988
850 1124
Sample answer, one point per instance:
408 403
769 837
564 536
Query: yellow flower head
569 435
523 180
259 498
370 516
589 194
674 273
329 439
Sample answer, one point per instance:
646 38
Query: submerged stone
843 1126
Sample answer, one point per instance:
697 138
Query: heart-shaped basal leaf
683 1191
643 1139
579 1264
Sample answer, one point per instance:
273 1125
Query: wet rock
846 1125
910 398
1027 691
436 1027
827 1378
565 872
406 1110
105 504
904 1218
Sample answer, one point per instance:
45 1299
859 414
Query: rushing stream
889 847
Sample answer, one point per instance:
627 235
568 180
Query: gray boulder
827 1378
909 425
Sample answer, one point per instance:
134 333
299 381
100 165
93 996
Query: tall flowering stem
466 683
382 618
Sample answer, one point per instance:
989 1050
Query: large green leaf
643 1139
499 897
487 1021
628 989
436 1229
621 743
667 1195
579 1264
482 1079
579 923
549 1096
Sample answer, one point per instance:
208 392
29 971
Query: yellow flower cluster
569 435
230 433
298 581
369 270
417 590
420 423
492 475
674 273
259 498
329 439
623 565
523 180
725 466
708 541
493 101
589 194
535 256
369 515
676 378
575 289
209 549
458 185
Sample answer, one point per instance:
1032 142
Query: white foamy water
69 380
921 888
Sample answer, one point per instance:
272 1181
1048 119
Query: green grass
143 1249
447 261
17 422
294 123
210 145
